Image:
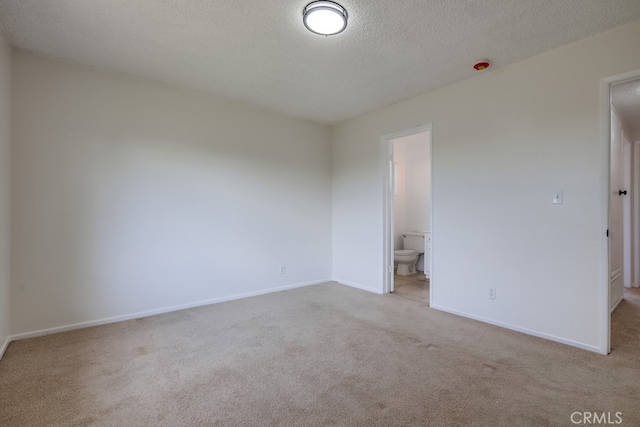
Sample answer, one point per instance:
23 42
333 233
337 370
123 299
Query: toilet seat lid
405 252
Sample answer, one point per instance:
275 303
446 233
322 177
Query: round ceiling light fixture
325 18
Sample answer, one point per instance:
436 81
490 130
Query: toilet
406 258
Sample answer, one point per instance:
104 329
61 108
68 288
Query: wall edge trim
4 347
615 306
147 313
358 286
527 331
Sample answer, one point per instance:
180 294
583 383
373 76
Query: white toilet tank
413 240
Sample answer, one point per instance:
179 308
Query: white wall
5 184
417 205
399 199
502 143
131 196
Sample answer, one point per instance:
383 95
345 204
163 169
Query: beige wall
5 179
502 143
134 197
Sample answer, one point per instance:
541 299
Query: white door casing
636 210
616 248
628 278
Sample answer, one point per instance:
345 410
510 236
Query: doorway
407 158
620 112
625 137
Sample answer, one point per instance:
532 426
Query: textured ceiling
626 98
259 53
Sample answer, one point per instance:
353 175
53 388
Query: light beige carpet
322 355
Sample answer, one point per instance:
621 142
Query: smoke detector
482 64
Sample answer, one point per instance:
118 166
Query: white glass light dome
325 17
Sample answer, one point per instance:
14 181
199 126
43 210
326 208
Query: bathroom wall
5 181
417 202
131 197
399 197
503 142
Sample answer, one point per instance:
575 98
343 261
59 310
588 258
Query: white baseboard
157 311
616 305
4 347
358 286
523 330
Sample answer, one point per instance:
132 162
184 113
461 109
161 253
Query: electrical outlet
283 269
492 293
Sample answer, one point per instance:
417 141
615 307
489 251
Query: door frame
635 208
628 263
386 168
605 170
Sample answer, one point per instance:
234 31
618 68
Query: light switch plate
557 197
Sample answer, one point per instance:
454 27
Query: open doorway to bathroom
408 213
